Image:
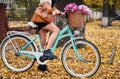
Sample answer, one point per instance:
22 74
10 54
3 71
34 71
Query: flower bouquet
76 14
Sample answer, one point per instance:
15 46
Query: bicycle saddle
33 25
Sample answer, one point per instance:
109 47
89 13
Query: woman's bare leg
48 55
55 31
43 35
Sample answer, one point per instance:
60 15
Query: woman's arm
56 11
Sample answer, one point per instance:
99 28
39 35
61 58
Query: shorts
40 25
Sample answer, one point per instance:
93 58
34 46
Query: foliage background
24 9
104 38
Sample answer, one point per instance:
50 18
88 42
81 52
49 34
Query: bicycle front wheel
10 47
85 62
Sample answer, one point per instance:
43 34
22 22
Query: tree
29 7
105 13
108 9
108 12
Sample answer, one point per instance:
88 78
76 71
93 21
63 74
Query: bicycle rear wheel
84 65
10 46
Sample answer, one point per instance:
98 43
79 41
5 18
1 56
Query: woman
43 18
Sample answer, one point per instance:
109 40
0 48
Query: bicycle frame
60 36
65 32
63 35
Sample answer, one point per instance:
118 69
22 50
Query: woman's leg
55 31
43 35
48 55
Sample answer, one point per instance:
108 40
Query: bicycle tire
80 68
10 59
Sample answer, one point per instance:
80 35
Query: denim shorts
42 24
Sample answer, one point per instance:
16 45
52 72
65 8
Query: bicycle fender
17 34
3 43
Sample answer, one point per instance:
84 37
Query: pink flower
72 7
84 9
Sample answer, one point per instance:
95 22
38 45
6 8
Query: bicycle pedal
42 58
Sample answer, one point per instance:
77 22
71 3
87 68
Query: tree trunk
108 13
114 7
105 13
111 13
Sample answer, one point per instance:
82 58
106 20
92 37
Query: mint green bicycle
80 58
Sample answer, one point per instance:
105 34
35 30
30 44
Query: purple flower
84 9
72 7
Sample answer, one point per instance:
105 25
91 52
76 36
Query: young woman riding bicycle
42 17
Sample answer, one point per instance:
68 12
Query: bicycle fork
75 49
74 43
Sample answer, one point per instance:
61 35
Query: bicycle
80 57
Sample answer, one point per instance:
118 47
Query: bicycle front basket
76 19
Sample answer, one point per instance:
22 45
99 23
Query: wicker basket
76 19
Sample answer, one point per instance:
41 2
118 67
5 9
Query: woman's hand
55 12
62 13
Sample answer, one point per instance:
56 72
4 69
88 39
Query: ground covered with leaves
104 38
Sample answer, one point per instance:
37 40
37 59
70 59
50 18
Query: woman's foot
47 55
42 67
